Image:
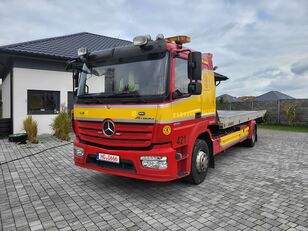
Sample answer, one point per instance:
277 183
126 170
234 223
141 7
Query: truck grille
131 135
126 165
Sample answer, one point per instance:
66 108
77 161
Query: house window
43 102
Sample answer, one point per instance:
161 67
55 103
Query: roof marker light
159 37
141 40
82 51
180 39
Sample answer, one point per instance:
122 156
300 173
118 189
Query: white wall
33 79
6 97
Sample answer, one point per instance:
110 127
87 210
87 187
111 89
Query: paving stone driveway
263 188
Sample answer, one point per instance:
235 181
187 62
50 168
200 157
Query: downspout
11 96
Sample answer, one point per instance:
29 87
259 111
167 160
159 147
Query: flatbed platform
230 118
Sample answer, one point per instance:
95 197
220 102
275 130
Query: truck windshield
139 78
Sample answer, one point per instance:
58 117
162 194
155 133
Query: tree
291 113
224 100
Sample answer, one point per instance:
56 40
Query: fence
276 109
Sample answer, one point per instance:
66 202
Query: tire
199 162
251 142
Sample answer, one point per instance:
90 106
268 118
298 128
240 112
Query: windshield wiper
135 100
126 94
124 97
91 98
132 97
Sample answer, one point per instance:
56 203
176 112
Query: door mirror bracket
195 88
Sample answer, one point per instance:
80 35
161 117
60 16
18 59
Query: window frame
174 79
45 112
165 97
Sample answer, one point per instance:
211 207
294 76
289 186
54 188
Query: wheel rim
202 161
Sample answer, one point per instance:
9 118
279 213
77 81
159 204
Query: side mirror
195 65
195 88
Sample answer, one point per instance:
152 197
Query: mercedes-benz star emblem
108 128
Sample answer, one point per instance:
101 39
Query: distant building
229 98
34 79
272 95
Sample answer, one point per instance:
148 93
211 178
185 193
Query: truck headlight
78 151
158 162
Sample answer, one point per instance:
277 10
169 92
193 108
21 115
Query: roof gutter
36 56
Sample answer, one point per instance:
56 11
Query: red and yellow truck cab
148 111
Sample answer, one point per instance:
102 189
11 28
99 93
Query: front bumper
130 164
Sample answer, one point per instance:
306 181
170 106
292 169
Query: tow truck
148 111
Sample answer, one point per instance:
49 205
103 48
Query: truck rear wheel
251 142
199 162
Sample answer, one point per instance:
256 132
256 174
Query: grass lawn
283 127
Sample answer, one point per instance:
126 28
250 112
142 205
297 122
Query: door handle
197 115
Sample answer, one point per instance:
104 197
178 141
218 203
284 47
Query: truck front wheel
199 162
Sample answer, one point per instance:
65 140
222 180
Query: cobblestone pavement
260 188
10 151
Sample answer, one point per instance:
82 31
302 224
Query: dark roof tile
64 46
272 95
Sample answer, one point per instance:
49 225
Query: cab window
181 79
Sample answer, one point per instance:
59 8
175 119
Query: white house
34 79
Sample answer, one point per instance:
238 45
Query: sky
260 45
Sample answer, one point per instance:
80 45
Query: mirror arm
185 95
177 53
69 64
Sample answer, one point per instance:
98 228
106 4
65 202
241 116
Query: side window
181 79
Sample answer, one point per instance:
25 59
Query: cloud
300 67
260 45
289 83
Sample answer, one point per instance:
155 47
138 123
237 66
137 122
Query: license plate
108 157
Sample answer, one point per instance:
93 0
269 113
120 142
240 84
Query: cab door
208 95
185 107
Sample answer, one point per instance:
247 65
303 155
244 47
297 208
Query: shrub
30 126
267 118
224 100
61 125
291 113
